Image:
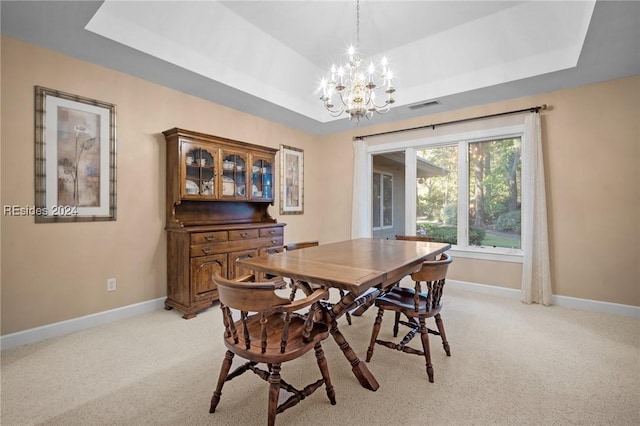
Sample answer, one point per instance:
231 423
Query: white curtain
536 277
360 217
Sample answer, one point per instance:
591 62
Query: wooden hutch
218 192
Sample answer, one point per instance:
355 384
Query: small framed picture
75 164
291 180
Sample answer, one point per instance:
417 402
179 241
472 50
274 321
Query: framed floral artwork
291 180
75 167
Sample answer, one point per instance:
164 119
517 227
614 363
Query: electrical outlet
111 284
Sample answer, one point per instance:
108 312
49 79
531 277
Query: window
382 200
462 185
471 196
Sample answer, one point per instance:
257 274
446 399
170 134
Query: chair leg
224 370
274 394
324 370
294 288
395 324
374 333
440 326
347 314
424 335
292 295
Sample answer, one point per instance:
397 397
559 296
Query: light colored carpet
511 364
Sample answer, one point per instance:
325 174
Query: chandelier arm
368 98
386 106
334 112
342 100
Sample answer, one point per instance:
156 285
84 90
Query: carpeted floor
511 364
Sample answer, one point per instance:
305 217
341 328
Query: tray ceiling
267 57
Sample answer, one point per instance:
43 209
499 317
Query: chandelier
353 89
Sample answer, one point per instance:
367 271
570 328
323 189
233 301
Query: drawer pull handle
206 250
272 232
209 238
274 241
244 235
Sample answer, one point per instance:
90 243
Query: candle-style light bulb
323 86
384 62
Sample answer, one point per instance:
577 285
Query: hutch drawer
243 234
209 237
270 232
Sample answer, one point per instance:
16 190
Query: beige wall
54 272
592 154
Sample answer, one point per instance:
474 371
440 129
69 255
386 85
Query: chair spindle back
433 274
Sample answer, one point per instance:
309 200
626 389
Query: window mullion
381 207
410 190
463 194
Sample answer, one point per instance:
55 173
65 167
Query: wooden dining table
364 268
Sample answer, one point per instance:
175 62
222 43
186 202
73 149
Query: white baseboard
562 301
61 328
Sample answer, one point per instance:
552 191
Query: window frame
381 212
411 146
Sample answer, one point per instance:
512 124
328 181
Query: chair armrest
245 278
318 294
246 281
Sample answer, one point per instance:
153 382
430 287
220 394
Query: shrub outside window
477 202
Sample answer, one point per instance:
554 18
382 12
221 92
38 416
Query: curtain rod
535 109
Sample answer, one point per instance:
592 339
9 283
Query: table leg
359 368
362 308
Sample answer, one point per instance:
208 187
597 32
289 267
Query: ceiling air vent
424 104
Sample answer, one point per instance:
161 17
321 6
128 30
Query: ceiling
266 58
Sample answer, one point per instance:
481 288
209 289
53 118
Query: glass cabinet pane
199 171
234 175
262 178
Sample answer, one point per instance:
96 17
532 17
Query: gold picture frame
291 180
75 164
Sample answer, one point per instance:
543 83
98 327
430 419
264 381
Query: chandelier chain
358 24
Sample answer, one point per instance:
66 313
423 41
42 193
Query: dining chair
301 245
270 330
363 308
408 238
416 305
414 238
296 284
